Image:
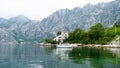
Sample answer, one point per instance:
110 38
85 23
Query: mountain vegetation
96 35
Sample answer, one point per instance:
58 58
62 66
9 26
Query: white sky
39 9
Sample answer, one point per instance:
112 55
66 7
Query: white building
61 37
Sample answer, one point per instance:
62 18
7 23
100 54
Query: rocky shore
88 45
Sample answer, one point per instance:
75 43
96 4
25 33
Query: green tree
117 24
77 36
58 33
96 33
48 40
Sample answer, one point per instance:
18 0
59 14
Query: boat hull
64 46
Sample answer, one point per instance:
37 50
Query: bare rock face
84 18
6 38
21 28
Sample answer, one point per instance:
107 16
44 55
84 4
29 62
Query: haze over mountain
24 29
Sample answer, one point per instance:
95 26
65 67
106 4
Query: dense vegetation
58 33
48 40
96 35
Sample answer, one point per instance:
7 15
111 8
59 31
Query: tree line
96 35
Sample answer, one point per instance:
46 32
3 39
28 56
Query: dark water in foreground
34 56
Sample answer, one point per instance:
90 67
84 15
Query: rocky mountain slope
6 37
24 29
68 20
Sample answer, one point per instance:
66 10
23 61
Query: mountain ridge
62 20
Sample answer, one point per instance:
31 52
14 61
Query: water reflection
49 49
96 57
18 56
115 50
62 53
6 51
30 55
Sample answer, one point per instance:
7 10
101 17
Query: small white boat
65 45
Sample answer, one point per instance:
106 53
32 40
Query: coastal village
96 36
61 37
58 38
64 35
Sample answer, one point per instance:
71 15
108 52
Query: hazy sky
39 9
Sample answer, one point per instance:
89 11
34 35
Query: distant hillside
25 29
68 20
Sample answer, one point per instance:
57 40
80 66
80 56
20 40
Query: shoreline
107 46
87 45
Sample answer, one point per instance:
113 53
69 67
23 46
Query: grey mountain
25 29
6 37
84 18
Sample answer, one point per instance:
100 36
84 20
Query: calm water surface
30 55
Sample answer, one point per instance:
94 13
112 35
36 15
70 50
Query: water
31 55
